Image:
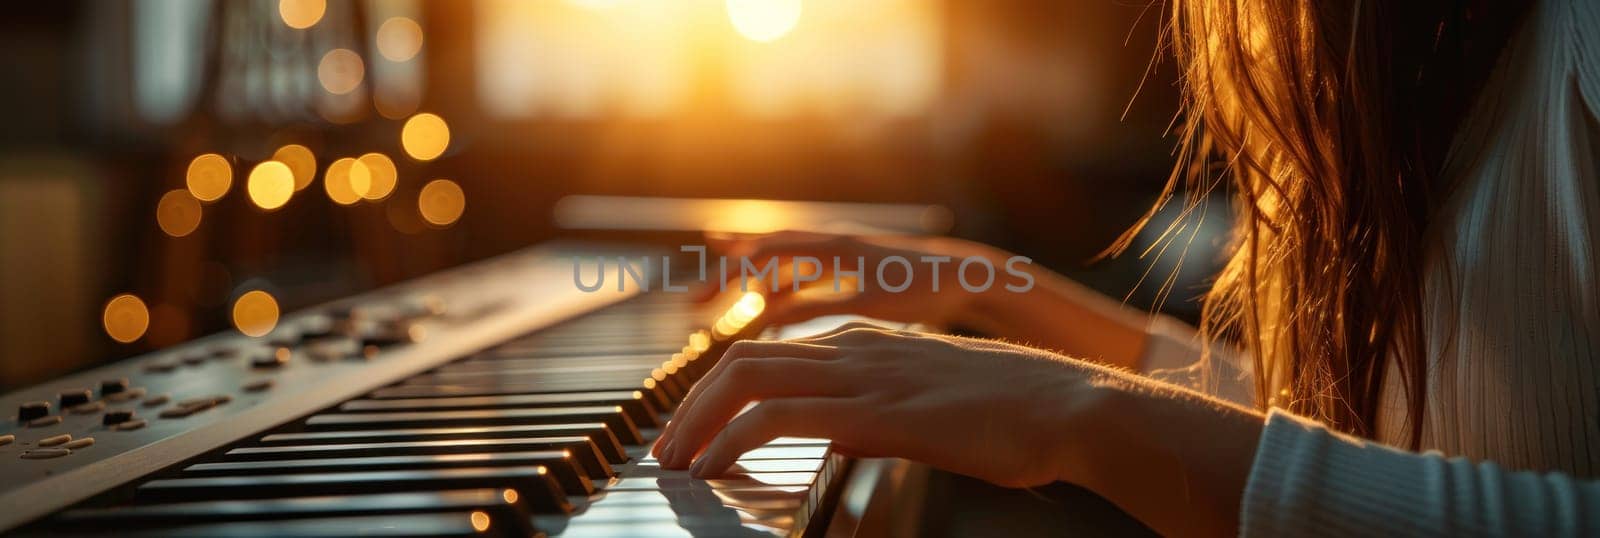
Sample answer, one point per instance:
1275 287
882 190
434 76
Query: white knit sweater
1512 422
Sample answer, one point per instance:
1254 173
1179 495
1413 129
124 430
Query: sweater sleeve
1308 481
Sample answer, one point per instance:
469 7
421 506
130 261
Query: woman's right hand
918 303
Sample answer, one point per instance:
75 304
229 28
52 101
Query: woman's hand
917 304
1008 414
996 411
1054 312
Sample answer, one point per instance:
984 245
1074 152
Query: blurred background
172 168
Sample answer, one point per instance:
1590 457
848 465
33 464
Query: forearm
1063 315
1175 459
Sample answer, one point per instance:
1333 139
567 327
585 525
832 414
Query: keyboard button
32 410
55 440
116 416
73 397
44 453
113 386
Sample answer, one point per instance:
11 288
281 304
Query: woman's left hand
995 411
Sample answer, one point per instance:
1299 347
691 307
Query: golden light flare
270 185
301 14
763 20
209 177
425 136
255 313
382 176
399 39
125 318
744 311
480 521
700 341
341 71
301 161
441 202
346 181
178 213
510 495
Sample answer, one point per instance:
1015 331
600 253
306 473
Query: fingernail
667 454
698 467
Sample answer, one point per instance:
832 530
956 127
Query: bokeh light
209 177
425 136
270 185
301 14
383 176
441 202
399 39
255 313
341 71
125 318
301 161
480 521
763 20
346 181
178 213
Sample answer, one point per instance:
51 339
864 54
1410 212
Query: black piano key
498 377
612 416
537 489
597 432
502 506
649 388
464 524
567 470
633 402
581 448
551 362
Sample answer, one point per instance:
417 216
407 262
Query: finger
741 350
747 381
828 418
761 247
836 331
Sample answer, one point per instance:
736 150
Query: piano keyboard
546 433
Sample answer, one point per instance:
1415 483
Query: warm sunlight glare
209 177
399 39
270 185
255 313
300 161
341 71
441 202
301 14
425 136
764 20
346 181
125 318
382 176
178 213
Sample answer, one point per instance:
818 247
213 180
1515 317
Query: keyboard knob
32 410
73 397
113 386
